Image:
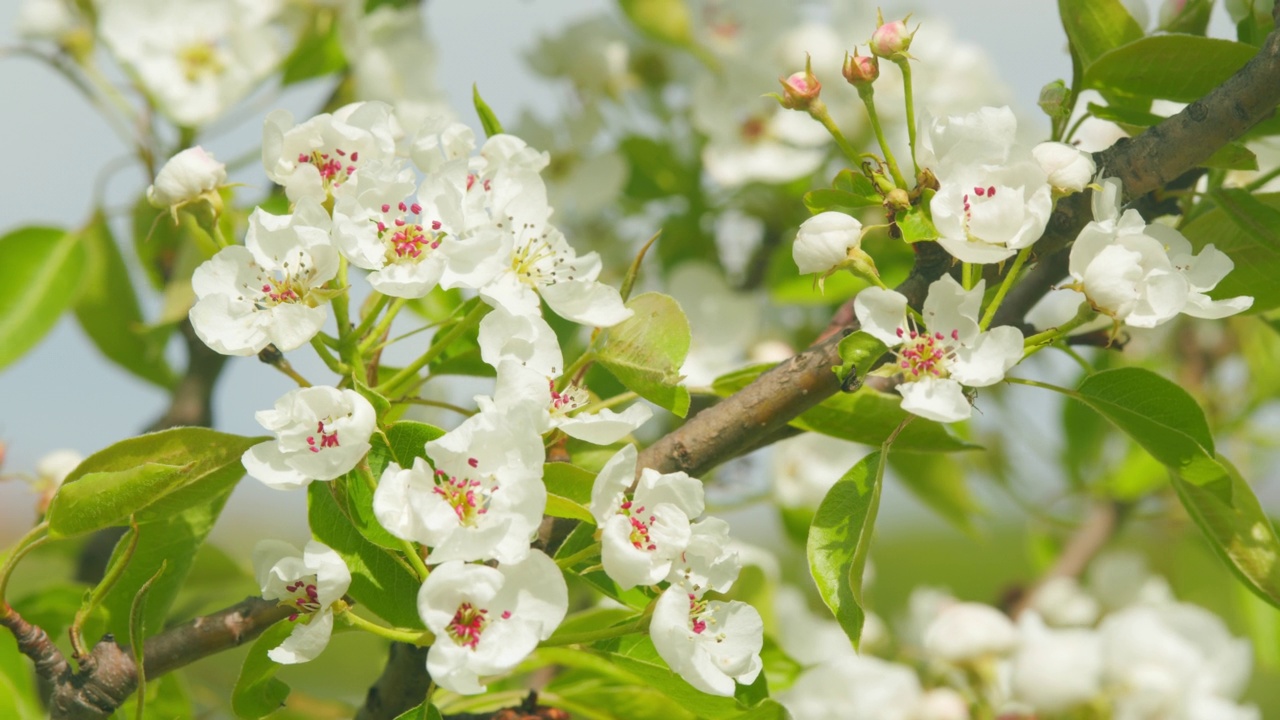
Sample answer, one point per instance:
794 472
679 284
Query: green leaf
1232 156
99 500
352 492
319 51
859 351
1240 532
1192 19
108 309
864 416
1247 228
916 223
40 275
849 192
1159 415
380 404
1095 27
257 691
645 351
1182 68
568 491
379 580
488 120
939 483
424 711
839 540
18 699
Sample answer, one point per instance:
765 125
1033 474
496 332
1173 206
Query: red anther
416 208
355 157
980 192
340 151
386 207
302 157
900 333
402 206
955 334
991 191
399 222
473 462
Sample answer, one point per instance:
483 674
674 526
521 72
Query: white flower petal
938 399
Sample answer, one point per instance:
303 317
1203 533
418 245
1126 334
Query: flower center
467 625
566 401
698 616
335 168
537 261
286 285
327 439
979 193
405 238
639 526
469 497
925 355
302 596
200 60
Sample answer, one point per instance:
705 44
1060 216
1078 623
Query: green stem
592 550
905 65
420 638
366 475
327 357
410 371
114 572
1048 336
1004 288
1043 386
818 111
342 303
32 540
566 378
369 319
610 402
1088 369
968 278
372 338
439 404
867 94
640 625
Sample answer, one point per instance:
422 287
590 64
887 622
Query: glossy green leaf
424 711
257 692
1192 19
1182 68
645 351
1159 415
1239 530
18 698
353 493
864 416
98 500
568 491
40 275
1232 156
839 540
859 351
319 51
380 581
108 310
916 224
579 539
849 192
1247 228
1095 27
488 120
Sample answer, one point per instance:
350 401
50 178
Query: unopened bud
926 180
192 176
801 89
897 199
860 70
891 40
1053 99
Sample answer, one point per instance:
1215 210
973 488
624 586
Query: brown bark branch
402 685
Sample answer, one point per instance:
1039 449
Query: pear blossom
526 339
1143 275
318 158
854 687
269 290
994 198
643 533
1061 602
191 175
322 433
966 632
486 620
47 19
1069 169
484 499
309 582
196 58
824 241
942 703
393 60
1055 670
708 561
711 644
806 466
950 353
519 386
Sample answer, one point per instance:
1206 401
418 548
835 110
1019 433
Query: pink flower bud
801 89
891 40
860 69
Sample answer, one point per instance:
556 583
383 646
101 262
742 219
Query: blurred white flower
969 632
1055 670
854 687
806 466
1061 602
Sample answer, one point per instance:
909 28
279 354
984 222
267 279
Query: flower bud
1069 169
824 242
860 70
188 177
1053 99
897 200
801 89
891 40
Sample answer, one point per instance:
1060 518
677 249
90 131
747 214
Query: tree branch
402 685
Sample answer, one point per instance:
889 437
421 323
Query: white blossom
1055 670
642 533
549 409
526 339
269 290
308 582
824 241
854 687
951 352
323 156
966 632
994 198
486 620
707 562
711 644
1069 169
189 176
322 432
483 500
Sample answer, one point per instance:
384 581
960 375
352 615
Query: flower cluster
1124 646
